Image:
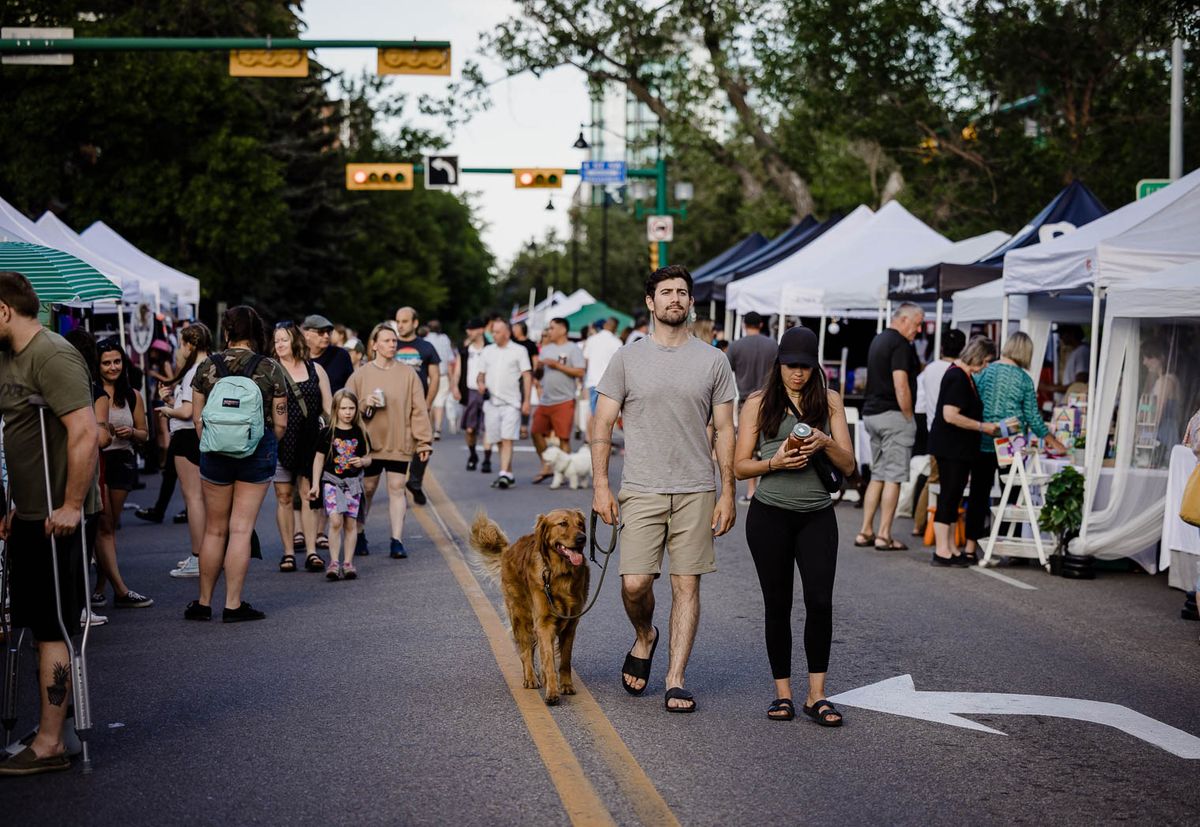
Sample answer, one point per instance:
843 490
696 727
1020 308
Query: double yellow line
442 522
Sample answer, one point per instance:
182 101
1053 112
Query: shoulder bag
1189 509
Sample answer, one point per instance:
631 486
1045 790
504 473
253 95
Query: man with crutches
50 439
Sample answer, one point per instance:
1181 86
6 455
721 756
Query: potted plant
1062 515
1079 449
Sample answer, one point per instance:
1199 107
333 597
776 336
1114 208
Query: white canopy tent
1123 247
760 292
1148 382
14 226
1142 237
109 243
556 305
134 286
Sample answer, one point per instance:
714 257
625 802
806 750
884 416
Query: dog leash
606 552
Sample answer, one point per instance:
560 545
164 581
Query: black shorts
378 466
32 583
120 469
186 444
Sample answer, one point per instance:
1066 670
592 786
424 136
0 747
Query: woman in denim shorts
234 487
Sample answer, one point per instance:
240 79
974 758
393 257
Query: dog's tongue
576 557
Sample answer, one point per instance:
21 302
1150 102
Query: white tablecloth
1176 534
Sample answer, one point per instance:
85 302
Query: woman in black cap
791 519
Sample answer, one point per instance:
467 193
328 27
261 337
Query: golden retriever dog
555 550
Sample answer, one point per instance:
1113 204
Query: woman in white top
195 342
127 425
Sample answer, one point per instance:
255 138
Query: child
342 454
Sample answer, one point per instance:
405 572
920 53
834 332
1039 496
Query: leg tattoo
56 692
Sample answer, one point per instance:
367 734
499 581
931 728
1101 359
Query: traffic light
379 176
538 178
653 256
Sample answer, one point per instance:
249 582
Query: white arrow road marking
898 696
446 167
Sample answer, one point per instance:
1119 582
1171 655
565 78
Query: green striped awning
57 276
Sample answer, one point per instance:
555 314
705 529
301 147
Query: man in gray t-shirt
562 365
666 388
752 356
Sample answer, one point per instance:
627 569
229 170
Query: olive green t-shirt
51 368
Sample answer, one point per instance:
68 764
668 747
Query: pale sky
532 122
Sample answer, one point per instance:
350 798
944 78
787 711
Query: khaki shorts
679 524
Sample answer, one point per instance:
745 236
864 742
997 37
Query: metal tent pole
937 330
1090 473
821 341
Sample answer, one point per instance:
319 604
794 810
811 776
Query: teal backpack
233 412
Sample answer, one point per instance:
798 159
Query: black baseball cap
474 324
798 347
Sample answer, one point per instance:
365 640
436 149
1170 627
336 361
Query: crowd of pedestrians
324 416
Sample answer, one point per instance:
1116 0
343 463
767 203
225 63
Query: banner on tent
795 300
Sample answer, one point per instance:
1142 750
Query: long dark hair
123 393
85 342
243 324
773 407
199 337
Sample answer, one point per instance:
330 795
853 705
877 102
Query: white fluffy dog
575 468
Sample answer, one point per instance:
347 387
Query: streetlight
581 142
550 205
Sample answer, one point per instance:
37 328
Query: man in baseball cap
334 359
465 372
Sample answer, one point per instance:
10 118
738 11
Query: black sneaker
486 468
132 600
149 515
472 463
361 549
195 611
242 612
418 495
180 518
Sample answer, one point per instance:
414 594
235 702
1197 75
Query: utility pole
1176 165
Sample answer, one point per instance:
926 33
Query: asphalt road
390 700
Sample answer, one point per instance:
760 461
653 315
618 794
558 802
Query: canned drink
378 394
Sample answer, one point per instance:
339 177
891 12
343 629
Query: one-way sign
441 171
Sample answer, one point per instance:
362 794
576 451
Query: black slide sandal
638 667
783 705
820 712
678 693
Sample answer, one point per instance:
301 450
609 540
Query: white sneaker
190 568
97 620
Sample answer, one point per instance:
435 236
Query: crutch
12 642
79 679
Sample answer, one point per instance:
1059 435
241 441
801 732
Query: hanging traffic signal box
538 178
653 256
379 176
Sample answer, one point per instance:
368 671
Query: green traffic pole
660 171
41 45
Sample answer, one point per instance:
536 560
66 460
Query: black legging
166 489
954 474
779 537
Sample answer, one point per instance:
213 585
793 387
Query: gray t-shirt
557 387
667 396
752 358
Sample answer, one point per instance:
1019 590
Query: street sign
441 171
1149 185
602 172
660 228
21 33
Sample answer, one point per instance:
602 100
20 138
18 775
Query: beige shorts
679 524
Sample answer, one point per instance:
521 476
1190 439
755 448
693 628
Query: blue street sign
603 172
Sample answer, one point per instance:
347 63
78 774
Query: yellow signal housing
653 256
545 179
379 176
